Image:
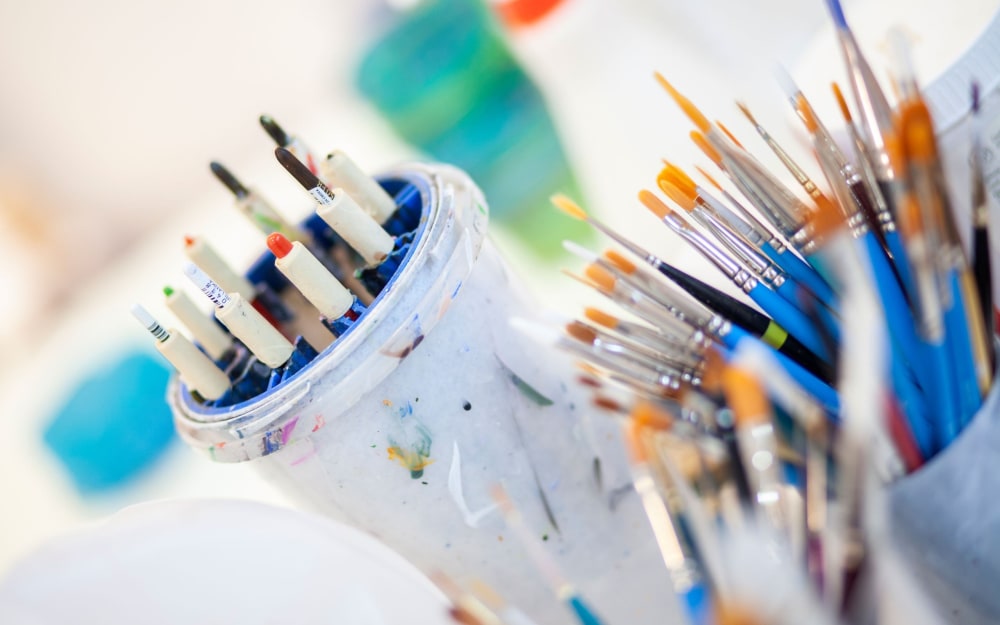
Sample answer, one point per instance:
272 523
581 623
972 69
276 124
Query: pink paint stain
320 422
286 432
299 461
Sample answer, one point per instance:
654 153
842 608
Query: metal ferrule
777 245
745 281
712 205
718 326
872 106
738 245
721 260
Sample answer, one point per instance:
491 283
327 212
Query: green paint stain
415 453
168 291
482 209
529 391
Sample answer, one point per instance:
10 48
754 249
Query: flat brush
797 324
746 317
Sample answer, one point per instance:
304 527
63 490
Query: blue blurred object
114 425
447 83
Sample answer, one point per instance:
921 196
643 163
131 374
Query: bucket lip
263 425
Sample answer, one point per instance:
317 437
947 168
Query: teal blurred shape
114 424
446 82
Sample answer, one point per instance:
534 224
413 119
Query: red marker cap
279 244
188 241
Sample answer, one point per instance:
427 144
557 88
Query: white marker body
202 327
195 368
342 172
208 260
260 337
315 281
357 227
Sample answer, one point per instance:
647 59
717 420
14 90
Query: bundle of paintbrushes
762 437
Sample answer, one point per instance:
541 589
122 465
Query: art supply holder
946 521
404 424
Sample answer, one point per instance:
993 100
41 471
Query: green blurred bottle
447 83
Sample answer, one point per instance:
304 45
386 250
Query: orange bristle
703 144
676 195
746 113
600 317
841 102
712 181
568 206
581 332
679 178
729 134
647 414
654 204
745 396
826 220
620 262
917 131
600 276
586 380
711 375
586 367
806 113
606 403
689 109
634 444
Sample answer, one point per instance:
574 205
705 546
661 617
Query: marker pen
246 324
340 171
292 143
206 332
339 308
196 369
266 301
253 206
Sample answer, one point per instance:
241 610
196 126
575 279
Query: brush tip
689 109
189 240
702 142
581 332
600 276
806 113
578 250
975 97
845 111
648 414
168 290
745 396
620 262
274 131
228 180
837 13
600 317
568 206
712 366
295 167
654 204
919 142
708 177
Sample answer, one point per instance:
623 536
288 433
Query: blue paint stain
458 287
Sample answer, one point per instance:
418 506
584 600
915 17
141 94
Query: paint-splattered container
405 423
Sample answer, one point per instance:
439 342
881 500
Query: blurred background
112 110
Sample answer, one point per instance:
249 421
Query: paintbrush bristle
619 261
600 317
696 116
841 102
746 113
679 178
917 131
826 220
806 113
600 276
712 181
606 403
676 195
745 396
703 145
711 374
654 204
648 414
581 332
729 134
568 206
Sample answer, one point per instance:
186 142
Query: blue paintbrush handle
790 318
823 392
802 273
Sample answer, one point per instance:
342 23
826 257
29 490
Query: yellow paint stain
409 459
386 402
